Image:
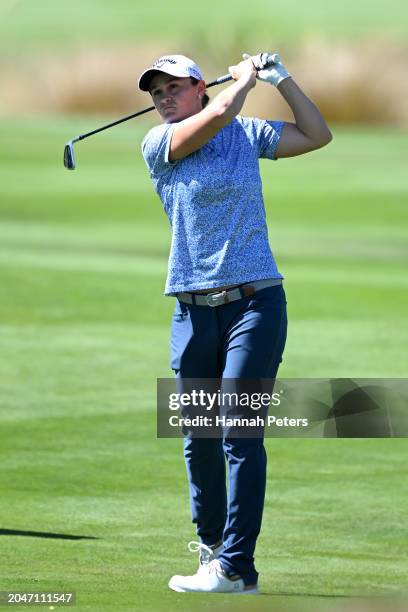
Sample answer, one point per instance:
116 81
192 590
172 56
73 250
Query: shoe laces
206 553
215 565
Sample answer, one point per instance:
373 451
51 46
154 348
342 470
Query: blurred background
337 217
85 57
84 326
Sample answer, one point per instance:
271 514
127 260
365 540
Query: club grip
273 58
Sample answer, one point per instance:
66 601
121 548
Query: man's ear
201 87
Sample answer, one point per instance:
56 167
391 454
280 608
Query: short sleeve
266 134
156 147
270 135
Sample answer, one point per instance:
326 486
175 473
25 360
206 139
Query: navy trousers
242 339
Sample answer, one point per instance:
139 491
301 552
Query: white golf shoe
210 576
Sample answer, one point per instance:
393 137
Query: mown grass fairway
28 25
84 335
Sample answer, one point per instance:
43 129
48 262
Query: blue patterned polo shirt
213 199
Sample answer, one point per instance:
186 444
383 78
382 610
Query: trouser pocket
181 335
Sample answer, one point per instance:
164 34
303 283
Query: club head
69 156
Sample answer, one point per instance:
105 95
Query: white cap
176 65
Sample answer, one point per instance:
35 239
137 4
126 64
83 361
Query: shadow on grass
44 534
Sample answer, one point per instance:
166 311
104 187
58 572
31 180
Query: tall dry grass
362 82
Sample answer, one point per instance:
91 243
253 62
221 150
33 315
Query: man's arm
310 130
195 131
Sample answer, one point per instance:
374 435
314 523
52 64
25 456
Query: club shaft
218 81
109 125
273 59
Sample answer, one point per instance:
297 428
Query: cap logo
162 61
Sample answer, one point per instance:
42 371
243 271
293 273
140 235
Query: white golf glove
274 74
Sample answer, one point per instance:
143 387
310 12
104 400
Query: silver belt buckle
215 299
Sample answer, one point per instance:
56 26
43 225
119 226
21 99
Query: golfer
230 314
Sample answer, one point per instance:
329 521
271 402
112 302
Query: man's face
176 98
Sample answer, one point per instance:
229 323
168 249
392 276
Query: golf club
69 155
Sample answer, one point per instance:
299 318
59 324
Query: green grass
216 25
84 334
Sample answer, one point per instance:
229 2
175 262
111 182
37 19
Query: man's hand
244 70
274 74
